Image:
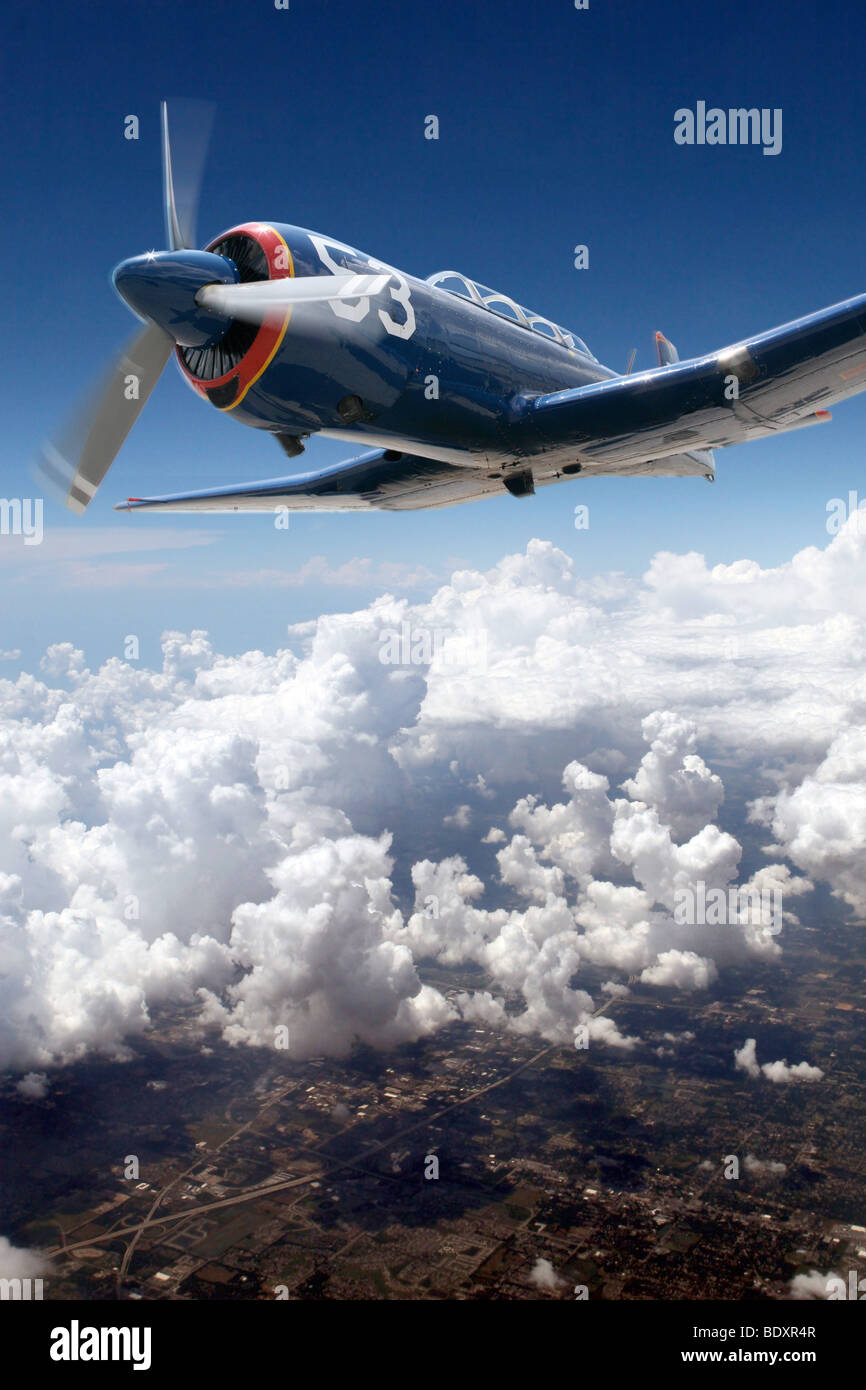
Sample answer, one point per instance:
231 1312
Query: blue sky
556 128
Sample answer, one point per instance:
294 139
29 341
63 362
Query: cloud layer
537 749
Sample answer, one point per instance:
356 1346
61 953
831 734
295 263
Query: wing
662 422
377 480
768 384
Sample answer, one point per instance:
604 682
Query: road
257 1191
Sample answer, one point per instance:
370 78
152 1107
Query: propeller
192 123
78 460
187 298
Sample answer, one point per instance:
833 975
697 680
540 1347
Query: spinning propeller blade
78 460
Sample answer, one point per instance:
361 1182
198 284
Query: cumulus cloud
684 969
673 778
315 961
544 1276
763 1167
225 829
18 1263
821 822
481 1007
746 1059
34 1086
494 836
812 1285
781 1073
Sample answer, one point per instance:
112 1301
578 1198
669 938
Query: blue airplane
457 392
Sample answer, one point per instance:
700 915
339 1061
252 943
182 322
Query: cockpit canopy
455 283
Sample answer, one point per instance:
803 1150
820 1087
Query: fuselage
415 363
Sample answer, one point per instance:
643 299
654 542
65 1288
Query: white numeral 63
358 311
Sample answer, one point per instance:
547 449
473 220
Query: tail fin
666 351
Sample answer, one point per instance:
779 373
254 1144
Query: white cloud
222 828
763 1167
17 1263
781 1073
684 969
673 778
96 557
544 1276
34 1086
812 1285
481 1007
70 542
494 836
746 1059
316 962
821 822
361 572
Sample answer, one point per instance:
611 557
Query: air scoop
162 286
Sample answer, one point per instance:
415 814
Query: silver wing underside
374 482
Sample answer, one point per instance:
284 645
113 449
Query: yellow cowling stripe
280 337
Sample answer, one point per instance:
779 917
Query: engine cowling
223 371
